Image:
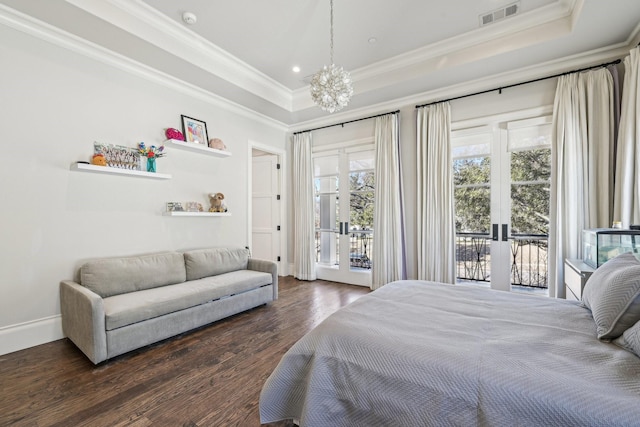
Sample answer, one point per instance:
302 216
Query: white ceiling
244 50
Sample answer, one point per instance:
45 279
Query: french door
502 188
344 192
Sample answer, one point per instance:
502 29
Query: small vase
151 164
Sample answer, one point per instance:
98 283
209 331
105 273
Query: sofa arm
83 320
266 267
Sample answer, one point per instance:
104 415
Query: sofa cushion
210 262
123 310
114 276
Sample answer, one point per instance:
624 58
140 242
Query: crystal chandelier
331 87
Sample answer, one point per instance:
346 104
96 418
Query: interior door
502 188
344 191
265 235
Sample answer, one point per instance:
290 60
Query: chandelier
331 87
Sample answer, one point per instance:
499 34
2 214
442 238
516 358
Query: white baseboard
29 334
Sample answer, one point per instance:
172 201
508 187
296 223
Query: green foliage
530 190
472 209
531 165
476 170
361 185
472 194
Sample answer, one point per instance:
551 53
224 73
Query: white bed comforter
419 353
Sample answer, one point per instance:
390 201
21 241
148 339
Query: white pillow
630 339
612 293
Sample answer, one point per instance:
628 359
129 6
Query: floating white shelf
198 148
83 167
184 213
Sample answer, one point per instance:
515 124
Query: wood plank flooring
208 377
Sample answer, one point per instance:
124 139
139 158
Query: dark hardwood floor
208 377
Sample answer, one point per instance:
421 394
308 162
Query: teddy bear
216 202
217 144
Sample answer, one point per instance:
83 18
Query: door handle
494 236
505 232
346 227
342 228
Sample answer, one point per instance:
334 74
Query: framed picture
194 130
174 207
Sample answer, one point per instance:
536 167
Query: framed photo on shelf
194 130
174 207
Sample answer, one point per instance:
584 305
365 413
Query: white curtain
388 242
582 166
304 261
436 227
627 192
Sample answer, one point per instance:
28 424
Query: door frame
501 210
283 265
343 150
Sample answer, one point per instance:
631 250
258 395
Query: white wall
55 104
481 108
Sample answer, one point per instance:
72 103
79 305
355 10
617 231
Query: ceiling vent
499 14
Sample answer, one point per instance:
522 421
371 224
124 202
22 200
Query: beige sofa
120 304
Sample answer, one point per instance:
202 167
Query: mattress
416 353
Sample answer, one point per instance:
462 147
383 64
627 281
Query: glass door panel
327 210
344 215
472 198
361 197
530 172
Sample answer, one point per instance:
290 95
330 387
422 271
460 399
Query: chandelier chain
331 29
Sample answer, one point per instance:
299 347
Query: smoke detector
189 18
499 14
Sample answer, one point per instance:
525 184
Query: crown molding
144 21
29 25
550 68
634 38
147 23
50 34
557 13
548 22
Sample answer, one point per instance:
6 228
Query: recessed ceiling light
296 69
372 40
189 18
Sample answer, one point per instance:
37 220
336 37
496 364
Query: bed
416 353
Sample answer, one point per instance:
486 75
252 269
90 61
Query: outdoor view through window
501 190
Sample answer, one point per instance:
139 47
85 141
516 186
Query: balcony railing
473 257
529 265
360 247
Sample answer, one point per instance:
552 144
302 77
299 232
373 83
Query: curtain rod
344 123
499 89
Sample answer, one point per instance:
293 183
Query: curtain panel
435 215
582 159
304 258
627 192
388 244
